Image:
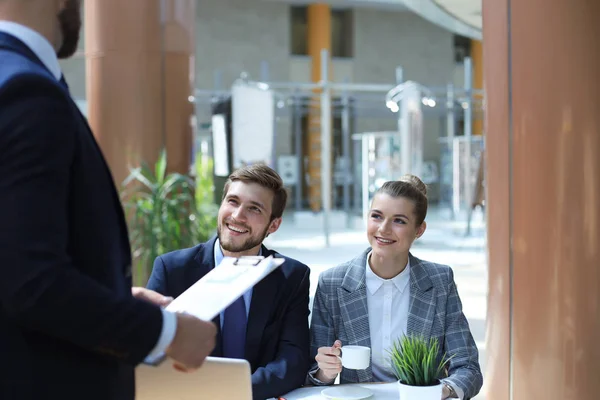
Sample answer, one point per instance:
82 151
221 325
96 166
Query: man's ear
274 225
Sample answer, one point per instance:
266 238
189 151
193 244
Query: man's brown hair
266 177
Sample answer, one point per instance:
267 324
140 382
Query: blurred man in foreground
71 326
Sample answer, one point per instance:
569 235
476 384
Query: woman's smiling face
391 226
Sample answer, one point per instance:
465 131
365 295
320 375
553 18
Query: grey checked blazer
435 311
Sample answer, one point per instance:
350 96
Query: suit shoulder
291 267
292 263
333 277
180 258
35 112
18 73
440 274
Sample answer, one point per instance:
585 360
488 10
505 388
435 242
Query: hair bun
416 182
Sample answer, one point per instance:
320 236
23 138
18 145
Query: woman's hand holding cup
329 362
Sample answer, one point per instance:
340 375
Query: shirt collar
219 252
374 282
38 44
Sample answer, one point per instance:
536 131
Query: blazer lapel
204 259
423 300
352 298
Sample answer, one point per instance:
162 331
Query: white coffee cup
355 357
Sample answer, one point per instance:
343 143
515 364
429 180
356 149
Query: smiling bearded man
268 325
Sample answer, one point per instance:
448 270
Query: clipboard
223 285
219 288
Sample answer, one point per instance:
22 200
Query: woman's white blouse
387 302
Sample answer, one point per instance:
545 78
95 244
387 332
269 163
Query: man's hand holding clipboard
204 300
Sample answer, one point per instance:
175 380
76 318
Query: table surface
381 391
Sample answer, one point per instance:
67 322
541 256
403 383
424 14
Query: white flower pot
420 392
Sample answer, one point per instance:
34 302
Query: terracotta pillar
497 126
124 80
477 57
319 38
137 83
543 140
179 74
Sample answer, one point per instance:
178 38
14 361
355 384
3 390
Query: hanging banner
220 145
253 123
411 130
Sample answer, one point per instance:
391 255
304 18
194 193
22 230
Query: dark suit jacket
69 327
277 339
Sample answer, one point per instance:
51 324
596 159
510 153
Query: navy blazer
277 338
69 327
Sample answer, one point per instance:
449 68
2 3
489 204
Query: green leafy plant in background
206 209
164 213
415 361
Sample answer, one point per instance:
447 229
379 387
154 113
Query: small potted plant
418 367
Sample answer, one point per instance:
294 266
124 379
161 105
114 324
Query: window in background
342 32
462 48
298 30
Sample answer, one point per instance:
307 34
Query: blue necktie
234 329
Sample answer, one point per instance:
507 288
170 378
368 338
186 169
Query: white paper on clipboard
219 288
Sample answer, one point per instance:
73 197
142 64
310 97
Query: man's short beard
69 19
248 244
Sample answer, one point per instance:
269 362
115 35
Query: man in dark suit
268 325
71 325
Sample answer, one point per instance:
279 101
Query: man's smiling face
244 218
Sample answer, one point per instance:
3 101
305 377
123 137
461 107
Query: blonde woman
385 293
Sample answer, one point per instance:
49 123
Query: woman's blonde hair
412 188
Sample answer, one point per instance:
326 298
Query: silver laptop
218 378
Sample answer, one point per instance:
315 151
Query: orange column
543 175
477 58
319 37
495 49
124 80
179 73
139 66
